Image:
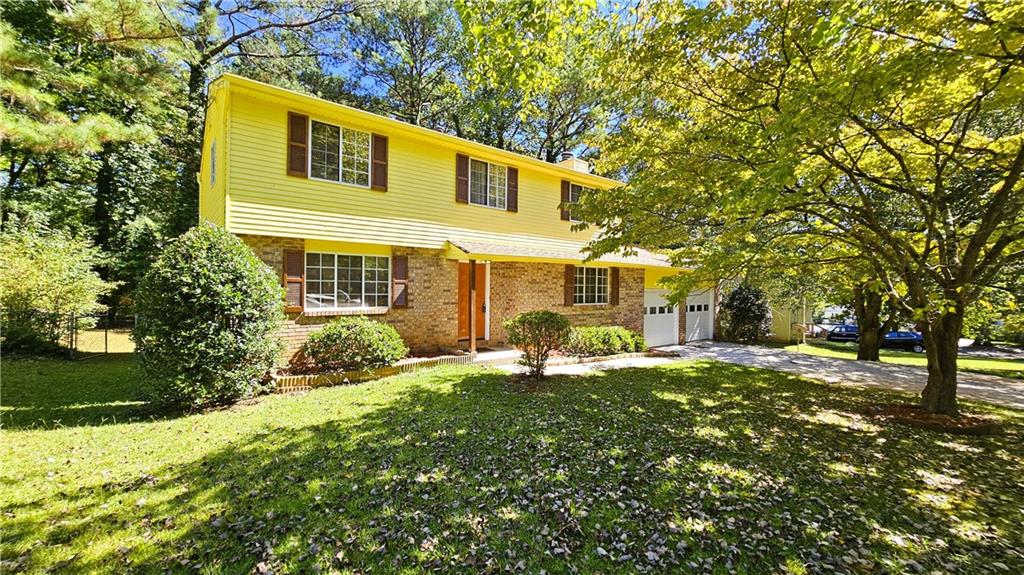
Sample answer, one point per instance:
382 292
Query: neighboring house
441 237
789 321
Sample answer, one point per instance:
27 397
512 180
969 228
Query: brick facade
681 311
518 286
430 322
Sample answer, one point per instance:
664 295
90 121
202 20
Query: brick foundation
430 322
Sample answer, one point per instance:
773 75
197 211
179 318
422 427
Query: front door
481 301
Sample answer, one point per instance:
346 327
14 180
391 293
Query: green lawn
692 468
848 350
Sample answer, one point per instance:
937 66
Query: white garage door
699 316
661 320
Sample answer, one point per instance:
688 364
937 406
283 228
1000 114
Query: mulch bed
914 416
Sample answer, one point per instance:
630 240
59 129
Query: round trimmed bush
209 311
352 343
598 341
745 314
537 334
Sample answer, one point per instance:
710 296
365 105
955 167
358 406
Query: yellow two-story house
442 237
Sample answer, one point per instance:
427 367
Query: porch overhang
550 251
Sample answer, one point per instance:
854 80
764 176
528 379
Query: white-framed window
575 192
488 184
339 154
697 307
591 286
346 281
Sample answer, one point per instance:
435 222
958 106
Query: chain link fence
98 334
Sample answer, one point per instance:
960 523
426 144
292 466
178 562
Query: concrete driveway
989 388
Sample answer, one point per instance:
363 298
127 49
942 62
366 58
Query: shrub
537 334
209 311
1012 329
352 343
746 316
44 278
595 341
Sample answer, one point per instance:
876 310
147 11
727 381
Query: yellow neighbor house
441 237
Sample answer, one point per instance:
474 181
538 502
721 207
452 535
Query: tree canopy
895 132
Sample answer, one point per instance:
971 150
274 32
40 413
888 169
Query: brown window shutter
399 281
564 206
379 171
462 178
613 297
294 280
570 283
512 200
298 144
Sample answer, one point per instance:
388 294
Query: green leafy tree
983 318
531 81
406 54
895 132
73 105
209 311
45 277
133 252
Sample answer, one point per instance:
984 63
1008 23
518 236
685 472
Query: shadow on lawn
692 468
46 392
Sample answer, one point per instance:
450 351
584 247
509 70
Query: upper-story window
575 192
488 184
339 154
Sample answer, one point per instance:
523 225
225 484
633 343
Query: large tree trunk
867 304
941 341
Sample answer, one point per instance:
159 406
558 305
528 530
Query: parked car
905 340
843 333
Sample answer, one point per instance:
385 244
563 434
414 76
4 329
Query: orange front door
481 300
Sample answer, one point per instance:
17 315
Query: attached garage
661 319
700 315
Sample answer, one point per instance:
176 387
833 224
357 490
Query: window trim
469 183
607 286
362 284
341 143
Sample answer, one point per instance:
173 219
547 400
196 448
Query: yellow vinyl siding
418 209
333 247
653 277
212 199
